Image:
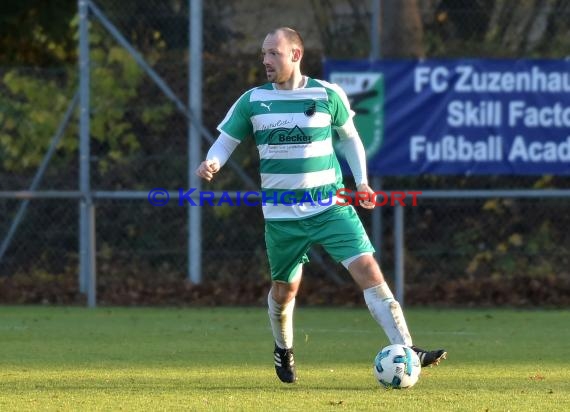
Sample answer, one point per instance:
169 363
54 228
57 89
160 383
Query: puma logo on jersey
267 106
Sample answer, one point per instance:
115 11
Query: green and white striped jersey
293 133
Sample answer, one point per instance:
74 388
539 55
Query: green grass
135 359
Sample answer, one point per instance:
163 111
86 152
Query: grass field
221 359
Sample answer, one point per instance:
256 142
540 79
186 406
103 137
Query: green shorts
338 229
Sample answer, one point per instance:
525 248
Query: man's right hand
207 169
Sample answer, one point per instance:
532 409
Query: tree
340 24
497 28
402 29
37 33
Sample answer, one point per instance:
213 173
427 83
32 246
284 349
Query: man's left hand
367 204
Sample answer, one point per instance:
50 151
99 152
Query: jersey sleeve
237 123
341 107
222 148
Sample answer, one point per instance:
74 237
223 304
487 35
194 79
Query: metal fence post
377 220
399 252
194 140
375 29
376 180
91 262
86 229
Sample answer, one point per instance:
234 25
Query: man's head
282 52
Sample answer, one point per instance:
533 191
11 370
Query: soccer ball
397 366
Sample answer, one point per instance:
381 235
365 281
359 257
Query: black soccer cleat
430 357
285 364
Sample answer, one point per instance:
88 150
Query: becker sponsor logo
294 135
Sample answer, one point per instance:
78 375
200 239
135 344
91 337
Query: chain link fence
139 141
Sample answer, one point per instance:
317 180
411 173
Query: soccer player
291 119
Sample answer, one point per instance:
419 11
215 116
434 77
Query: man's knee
365 264
283 292
366 271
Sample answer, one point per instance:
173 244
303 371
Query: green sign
365 92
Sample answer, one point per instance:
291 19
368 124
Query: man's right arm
217 156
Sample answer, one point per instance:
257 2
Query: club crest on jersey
284 135
310 108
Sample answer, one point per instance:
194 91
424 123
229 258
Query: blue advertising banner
470 116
